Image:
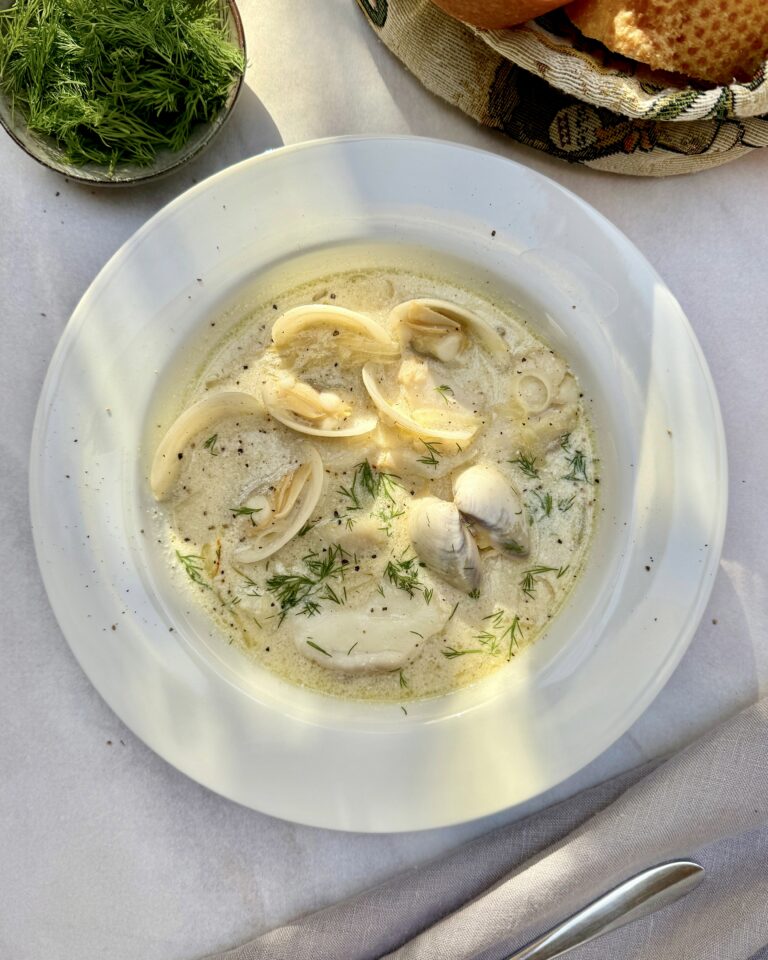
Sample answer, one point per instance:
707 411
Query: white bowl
291 752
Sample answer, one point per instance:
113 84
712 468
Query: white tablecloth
104 849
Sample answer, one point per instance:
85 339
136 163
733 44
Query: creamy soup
381 486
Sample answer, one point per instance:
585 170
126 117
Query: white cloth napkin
491 896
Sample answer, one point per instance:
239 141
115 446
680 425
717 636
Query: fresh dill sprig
489 641
316 646
193 567
578 465
210 444
253 587
301 591
432 457
116 81
564 504
509 633
376 483
530 577
306 528
445 391
428 594
386 515
450 653
245 512
527 465
403 573
545 502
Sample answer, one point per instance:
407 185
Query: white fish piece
441 329
280 515
313 412
449 421
485 497
366 641
353 332
444 543
202 415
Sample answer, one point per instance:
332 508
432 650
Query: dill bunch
116 81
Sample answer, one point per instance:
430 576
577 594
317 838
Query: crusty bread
497 13
715 40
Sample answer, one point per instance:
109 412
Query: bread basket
546 86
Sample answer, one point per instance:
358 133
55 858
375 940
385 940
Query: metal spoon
645 893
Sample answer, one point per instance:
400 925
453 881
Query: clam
316 413
486 498
378 638
353 333
274 518
442 330
420 407
443 542
166 463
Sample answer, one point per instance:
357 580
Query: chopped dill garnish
404 710
403 681
306 528
301 591
450 653
445 391
316 646
530 577
578 465
527 465
352 647
386 515
404 574
245 512
564 504
116 81
474 593
417 634
210 445
545 502
563 570
376 483
513 631
193 567
565 442
455 608
513 547
428 594
253 587
489 641
509 633
432 457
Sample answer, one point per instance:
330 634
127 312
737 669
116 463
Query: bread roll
715 40
497 13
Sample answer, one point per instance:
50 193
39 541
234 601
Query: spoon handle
645 893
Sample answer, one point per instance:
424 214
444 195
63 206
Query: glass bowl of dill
118 92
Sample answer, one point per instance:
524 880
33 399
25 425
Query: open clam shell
449 422
316 413
280 514
352 332
440 329
166 463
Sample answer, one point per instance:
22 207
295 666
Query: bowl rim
371 155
